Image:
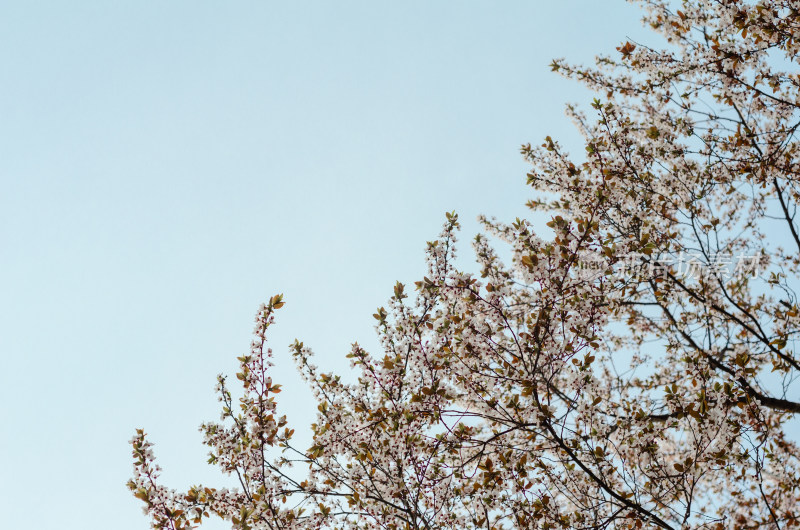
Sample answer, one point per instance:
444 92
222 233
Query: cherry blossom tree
632 366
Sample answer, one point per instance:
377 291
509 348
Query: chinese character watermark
686 266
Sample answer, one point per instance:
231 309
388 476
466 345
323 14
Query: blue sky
167 166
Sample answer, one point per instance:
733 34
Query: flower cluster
541 394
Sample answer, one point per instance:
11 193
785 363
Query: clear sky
168 165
